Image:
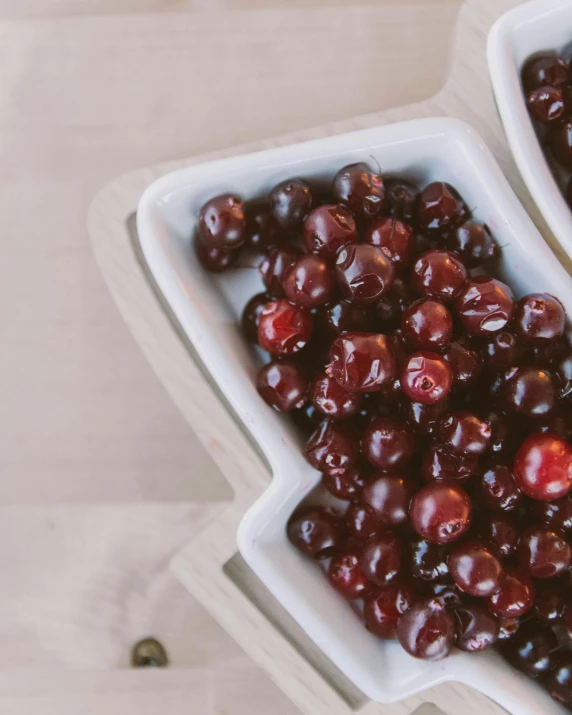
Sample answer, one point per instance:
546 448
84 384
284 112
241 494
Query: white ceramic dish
530 28
208 308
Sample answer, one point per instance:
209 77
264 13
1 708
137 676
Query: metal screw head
149 653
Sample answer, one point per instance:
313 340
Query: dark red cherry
215 260
328 228
307 418
543 467
401 197
362 362
550 602
383 610
360 189
282 386
545 69
390 306
423 418
497 488
427 324
262 228
543 553
560 140
333 447
316 532
464 433
528 392
500 531
539 318
251 315
426 377
546 104
387 496
332 400
515 595
388 442
361 522
283 328
563 378
464 360
474 243
381 559
440 208
531 650
501 350
475 568
505 438
507 628
343 316
395 238
439 464
309 282
346 485
447 592
558 681
428 561
441 512
273 267
291 202
363 272
484 305
475 628
346 575
555 514
427 630
439 274
222 222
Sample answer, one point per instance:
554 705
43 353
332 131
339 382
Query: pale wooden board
466 95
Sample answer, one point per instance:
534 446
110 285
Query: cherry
316 532
474 243
528 392
401 197
501 532
515 595
274 265
309 282
343 316
484 305
387 497
543 467
291 201
475 569
549 603
426 377
543 553
560 140
395 238
332 400
333 447
381 559
438 464
464 433
362 362
327 229
504 439
440 208
222 222
363 272
423 418
361 522
251 315
383 610
388 442
346 485
281 385
283 328
530 650
497 488
360 189
563 378
441 512
215 260
507 628
427 630
558 681
428 561
262 229
555 514
427 324
501 350
476 629
439 274
347 576
539 318
447 592
545 69
464 360
546 104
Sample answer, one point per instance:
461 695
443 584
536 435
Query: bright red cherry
441 512
426 377
327 229
475 569
283 328
543 467
439 274
362 362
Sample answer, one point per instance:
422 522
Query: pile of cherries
547 81
437 408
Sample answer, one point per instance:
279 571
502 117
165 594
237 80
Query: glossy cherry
475 628
555 514
515 595
251 315
262 229
500 531
543 467
282 386
401 195
333 401
426 377
316 532
497 488
222 222
544 69
332 447
423 418
309 281
475 568
388 442
395 238
531 650
215 260
363 272
291 201
283 328
440 208
328 228
464 433
427 324
464 361
342 316
346 575
362 362
427 630
546 104
439 274
428 561
529 392
550 602
362 522
484 306
441 512
558 681
474 243
387 496
347 484
543 553
539 318
360 189
273 267
381 559
383 610
501 350
439 464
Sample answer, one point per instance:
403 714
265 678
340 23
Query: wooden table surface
102 479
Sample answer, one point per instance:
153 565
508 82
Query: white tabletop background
101 480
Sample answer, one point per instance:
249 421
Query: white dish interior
525 30
208 309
